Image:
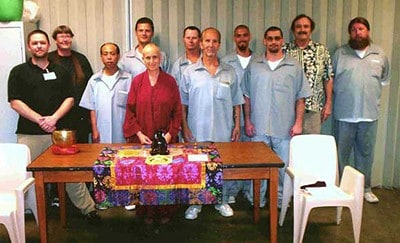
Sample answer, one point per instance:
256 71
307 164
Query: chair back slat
14 158
314 155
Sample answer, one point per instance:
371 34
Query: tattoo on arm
235 115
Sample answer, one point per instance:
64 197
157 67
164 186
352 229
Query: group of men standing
288 90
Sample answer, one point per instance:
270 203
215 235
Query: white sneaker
130 207
192 212
55 202
224 209
370 197
231 199
101 207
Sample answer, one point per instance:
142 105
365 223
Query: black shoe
93 218
251 208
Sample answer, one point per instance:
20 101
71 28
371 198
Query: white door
12 52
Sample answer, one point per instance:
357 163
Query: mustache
302 32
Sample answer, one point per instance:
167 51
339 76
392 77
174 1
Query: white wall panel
391 167
176 26
97 21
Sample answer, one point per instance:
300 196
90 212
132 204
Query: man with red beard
361 69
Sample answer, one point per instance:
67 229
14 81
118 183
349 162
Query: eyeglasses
271 38
64 36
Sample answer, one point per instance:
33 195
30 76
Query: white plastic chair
17 190
8 214
314 158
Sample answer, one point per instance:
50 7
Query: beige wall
97 21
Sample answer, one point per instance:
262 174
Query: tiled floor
380 223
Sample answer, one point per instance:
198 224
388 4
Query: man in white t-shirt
274 87
239 59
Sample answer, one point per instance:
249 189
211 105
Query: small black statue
159 145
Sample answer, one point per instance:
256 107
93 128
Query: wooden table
241 160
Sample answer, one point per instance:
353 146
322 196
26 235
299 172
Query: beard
359 43
242 46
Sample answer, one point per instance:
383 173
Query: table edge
224 166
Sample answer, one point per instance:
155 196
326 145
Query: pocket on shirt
223 91
122 97
376 69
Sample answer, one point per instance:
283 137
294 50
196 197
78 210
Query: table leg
256 200
41 205
273 205
61 196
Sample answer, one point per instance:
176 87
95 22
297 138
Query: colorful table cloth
129 175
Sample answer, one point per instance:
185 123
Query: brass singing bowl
64 138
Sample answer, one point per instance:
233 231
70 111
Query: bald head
151 48
152 57
211 30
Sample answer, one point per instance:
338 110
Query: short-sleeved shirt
210 100
273 95
233 60
42 90
132 63
317 65
109 102
179 67
358 83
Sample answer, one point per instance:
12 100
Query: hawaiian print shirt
317 65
